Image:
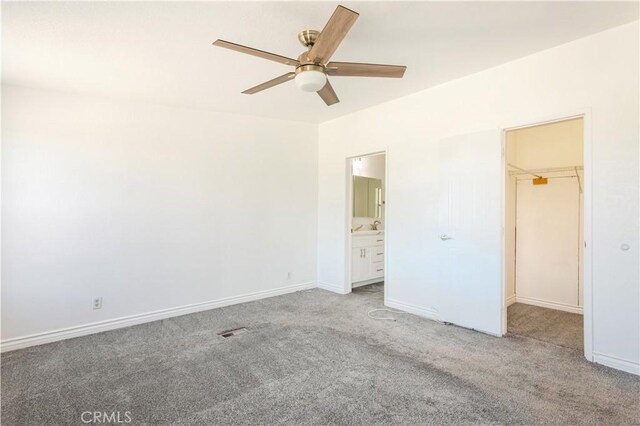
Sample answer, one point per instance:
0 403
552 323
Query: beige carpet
312 358
548 325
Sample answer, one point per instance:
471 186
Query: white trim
503 255
511 300
367 282
542 121
587 268
587 232
548 304
333 288
97 327
348 285
413 309
385 295
617 363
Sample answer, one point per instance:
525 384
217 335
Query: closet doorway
544 232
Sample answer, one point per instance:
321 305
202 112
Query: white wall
149 207
551 145
510 229
547 261
599 73
371 166
547 146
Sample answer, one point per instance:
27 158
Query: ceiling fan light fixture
311 80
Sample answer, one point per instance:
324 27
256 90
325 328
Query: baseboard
617 363
551 305
511 300
367 282
413 309
97 327
332 287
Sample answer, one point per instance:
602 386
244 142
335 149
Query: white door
547 242
471 231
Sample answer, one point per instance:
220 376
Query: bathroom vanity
367 257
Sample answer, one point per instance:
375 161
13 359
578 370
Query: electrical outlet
288 275
97 303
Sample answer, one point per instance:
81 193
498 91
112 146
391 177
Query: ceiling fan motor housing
308 37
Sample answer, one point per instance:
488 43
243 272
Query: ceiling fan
313 66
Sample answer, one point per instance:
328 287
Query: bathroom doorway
366 189
544 232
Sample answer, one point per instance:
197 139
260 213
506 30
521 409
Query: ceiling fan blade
332 34
352 69
255 52
328 95
278 80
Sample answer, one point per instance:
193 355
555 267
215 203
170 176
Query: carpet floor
549 325
311 358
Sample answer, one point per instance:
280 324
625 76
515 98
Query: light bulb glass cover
311 81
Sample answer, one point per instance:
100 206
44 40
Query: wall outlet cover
97 303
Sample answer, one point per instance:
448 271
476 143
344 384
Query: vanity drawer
377 269
378 254
367 241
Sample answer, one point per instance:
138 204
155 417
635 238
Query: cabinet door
359 265
374 265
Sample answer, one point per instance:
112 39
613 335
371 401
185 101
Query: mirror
367 197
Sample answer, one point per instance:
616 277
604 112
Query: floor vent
234 332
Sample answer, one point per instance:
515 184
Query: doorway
366 189
544 232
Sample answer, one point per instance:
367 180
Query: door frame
587 269
347 288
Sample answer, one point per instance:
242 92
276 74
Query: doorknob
445 237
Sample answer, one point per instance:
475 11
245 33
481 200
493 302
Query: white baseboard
413 309
551 305
511 300
367 282
332 287
617 363
97 327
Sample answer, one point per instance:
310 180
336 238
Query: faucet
374 225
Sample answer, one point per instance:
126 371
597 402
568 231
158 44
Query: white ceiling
161 52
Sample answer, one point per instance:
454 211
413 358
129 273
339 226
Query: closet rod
535 172
524 170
